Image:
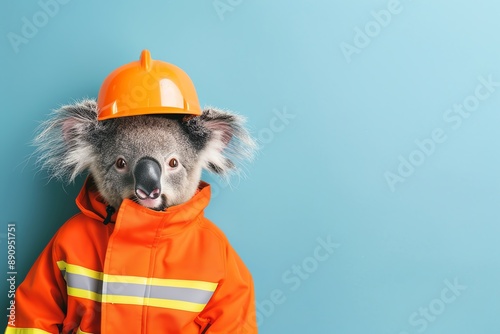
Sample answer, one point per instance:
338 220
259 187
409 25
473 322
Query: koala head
155 160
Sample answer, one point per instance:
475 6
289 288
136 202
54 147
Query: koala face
155 160
148 159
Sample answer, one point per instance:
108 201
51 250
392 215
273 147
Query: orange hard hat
146 87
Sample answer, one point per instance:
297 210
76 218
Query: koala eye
173 163
120 163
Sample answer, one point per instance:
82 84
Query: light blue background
319 175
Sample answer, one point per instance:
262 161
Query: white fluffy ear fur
62 142
228 142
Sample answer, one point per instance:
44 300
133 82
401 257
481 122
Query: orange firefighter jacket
146 272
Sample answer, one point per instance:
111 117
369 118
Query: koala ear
64 140
222 140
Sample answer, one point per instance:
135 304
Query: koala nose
147 175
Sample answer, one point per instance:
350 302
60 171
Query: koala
155 160
139 257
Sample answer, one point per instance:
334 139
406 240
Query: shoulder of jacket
78 225
77 221
208 226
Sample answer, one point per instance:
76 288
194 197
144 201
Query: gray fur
72 141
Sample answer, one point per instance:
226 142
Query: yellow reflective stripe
84 283
164 303
15 330
84 294
175 283
82 332
62 265
74 269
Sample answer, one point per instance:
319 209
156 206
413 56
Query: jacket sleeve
232 307
41 298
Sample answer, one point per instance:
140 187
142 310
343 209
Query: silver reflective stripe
160 292
187 295
83 282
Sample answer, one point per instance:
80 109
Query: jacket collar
136 218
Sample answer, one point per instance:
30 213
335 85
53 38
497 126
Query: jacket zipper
206 328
